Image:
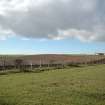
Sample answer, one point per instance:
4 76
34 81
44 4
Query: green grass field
74 86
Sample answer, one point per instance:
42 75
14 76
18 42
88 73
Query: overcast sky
82 20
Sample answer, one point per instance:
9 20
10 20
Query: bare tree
19 64
3 62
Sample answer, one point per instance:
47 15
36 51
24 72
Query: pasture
73 86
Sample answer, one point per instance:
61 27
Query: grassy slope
75 86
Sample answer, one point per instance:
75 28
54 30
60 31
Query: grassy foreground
75 86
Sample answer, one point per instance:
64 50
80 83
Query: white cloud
5 34
82 35
53 19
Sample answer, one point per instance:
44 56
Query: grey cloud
82 19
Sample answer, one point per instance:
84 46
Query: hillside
55 58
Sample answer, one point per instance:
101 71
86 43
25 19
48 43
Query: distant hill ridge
55 58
